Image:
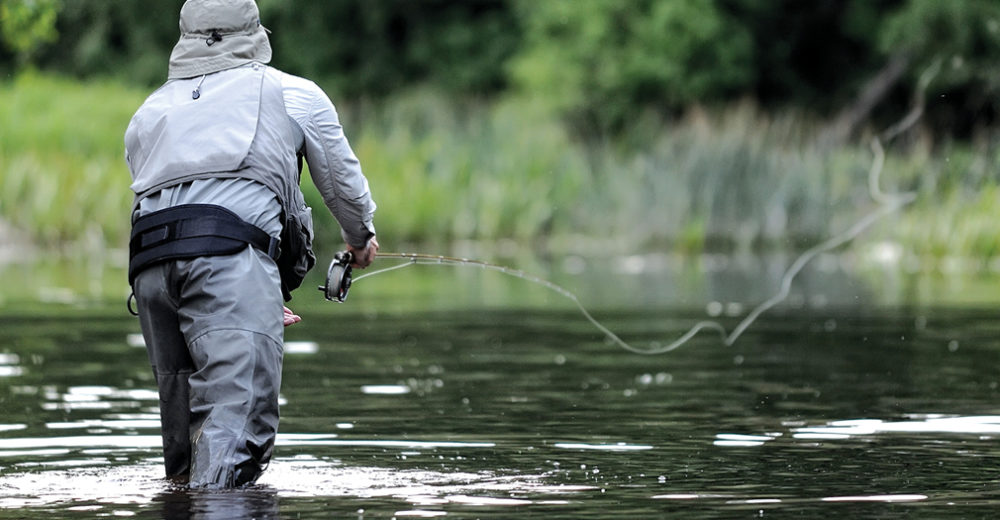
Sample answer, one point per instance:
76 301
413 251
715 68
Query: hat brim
193 56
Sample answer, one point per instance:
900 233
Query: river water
501 402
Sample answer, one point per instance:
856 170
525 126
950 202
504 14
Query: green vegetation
563 124
442 171
597 63
62 174
735 178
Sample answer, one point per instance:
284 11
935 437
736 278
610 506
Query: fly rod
339 280
338 276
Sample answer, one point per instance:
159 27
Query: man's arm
334 168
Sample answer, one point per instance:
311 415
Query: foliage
604 62
812 55
124 39
359 47
27 24
444 171
965 37
699 119
441 172
366 48
599 63
62 173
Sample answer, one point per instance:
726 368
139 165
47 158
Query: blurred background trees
599 63
685 124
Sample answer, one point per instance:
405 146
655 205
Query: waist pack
193 230
296 257
189 231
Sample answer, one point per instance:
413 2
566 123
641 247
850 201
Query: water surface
843 411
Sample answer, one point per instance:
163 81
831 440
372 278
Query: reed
444 170
62 173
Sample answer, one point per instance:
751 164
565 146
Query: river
460 394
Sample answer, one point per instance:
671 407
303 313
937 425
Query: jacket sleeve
334 168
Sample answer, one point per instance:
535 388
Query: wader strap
189 231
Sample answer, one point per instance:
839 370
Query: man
221 233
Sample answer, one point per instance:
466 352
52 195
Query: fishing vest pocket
297 257
189 231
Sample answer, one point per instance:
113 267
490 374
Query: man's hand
363 257
290 317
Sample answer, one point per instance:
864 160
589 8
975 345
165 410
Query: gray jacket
249 122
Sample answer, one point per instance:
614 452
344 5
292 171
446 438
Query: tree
372 48
603 61
26 25
964 37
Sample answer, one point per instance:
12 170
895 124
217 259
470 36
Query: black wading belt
189 231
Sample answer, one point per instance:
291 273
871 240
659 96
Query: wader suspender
189 231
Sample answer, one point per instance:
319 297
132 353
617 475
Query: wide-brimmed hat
218 35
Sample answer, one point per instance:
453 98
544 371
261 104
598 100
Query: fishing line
423 259
887 204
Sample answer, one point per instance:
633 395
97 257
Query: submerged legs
214 334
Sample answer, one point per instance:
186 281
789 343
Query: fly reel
338 277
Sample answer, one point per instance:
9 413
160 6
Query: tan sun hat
218 35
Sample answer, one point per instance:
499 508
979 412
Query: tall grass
736 178
62 172
444 170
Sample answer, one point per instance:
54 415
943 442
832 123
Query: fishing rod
338 276
339 280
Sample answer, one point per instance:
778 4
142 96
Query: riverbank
734 181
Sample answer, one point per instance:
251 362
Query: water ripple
983 425
284 439
621 446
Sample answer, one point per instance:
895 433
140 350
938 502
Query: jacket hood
218 35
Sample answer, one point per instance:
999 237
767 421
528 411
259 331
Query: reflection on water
727 284
98 484
935 423
846 429
496 413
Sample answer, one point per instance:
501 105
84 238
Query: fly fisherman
220 234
